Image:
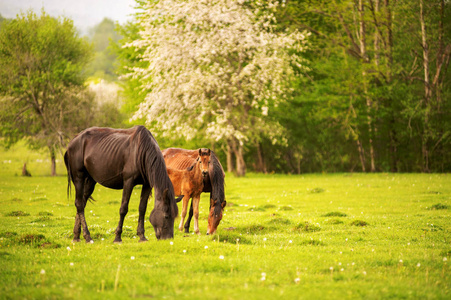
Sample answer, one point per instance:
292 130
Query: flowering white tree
219 66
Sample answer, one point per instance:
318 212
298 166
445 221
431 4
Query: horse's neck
197 174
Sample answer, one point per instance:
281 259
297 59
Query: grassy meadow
311 236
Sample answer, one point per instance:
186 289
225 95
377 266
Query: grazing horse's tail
69 176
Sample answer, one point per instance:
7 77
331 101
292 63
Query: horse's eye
166 216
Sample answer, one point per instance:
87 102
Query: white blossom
219 64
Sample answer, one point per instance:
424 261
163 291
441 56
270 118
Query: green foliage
42 93
103 35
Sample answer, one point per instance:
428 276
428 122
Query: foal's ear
208 151
179 198
200 151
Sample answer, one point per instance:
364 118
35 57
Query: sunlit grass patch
317 190
335 214
307 227
17 213
36 241
279 221
231 237
8 234
45 213
42 219
256 208
359 223
312 243
438 206
285 208
334 221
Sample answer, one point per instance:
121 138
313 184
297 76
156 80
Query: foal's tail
69 176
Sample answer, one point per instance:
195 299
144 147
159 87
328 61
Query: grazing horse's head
163 215
204 161
215 216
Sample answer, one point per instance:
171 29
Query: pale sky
84 13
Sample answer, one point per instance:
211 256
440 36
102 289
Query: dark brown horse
190 183
213 183
121 159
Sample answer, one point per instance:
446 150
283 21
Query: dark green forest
375 96
378 94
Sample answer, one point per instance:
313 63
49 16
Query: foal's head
215 216
204 161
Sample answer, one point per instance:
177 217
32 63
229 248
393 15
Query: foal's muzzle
204 173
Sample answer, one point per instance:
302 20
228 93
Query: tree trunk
389 54
427 90
261 167
369 102
230 167
25 171
53 161
240 164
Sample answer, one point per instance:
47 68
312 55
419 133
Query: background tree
103 64
41 73
216 67
369 95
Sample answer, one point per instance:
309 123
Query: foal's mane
152 165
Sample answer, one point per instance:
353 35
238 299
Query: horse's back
179 159
107 154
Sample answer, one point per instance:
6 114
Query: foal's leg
126 193
145 193
190 216
185 202
196 201
80 204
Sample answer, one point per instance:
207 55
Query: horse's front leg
196 201
185 202
145 193
126 193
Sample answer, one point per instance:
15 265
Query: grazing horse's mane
153 166
216 174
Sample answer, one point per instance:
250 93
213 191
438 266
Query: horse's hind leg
126 193
80 204
190 216
145 193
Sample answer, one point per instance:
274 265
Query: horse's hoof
143 240
76 240
180 228
186 230
117 242
90 241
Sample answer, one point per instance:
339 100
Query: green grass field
313 236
